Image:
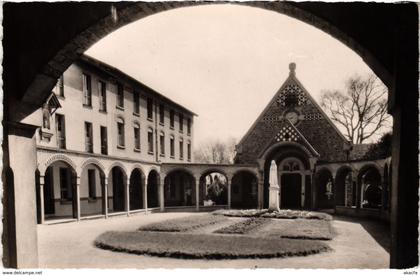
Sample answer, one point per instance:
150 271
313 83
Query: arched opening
345 188
293 176
179 189
60 199
370 188
324 189
92 184
153 189
213 189
136 189
117 189
244 192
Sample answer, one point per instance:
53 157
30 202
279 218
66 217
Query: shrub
282 214
183 224
196 246
243 227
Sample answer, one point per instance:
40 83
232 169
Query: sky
226 62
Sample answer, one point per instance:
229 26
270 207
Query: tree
361 110
216 151
381 149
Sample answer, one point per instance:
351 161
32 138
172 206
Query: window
88 137
181 122
92 183
189 151
150 141
189 126
104 141
65 184
59 88
161 114
136 103
121 137
87 90
172 118
61 131
102 96
181 149
150 108
162 144
172 146
291 100
120 95
136 137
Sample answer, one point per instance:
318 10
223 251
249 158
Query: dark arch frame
248 193
222 198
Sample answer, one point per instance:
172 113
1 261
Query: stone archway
117 189
179 189
324 192
153 189
244 192
345 188
213 188
293 169
60 191
371 188
136 189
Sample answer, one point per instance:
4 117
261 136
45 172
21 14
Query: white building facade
108 140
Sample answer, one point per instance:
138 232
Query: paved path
70 245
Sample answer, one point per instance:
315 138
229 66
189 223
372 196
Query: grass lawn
209 246
243 227
282 214
298 229
184 224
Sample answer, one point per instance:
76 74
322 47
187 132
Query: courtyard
356 243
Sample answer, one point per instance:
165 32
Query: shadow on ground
379 230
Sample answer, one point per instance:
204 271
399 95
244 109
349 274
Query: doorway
291 185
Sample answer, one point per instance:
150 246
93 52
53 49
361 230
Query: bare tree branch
361 110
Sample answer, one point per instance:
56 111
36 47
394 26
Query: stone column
302 199
78 198
358 189
197 193
105 197
41 199
383 193
261 192
229 191
127 196
19 200
162 192
314 191
334 191
274 195
144 186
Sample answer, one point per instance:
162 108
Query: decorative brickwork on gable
291 111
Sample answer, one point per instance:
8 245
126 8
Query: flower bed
184 224
299 229
243 227
207 246
282 214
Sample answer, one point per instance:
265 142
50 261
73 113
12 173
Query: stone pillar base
273 199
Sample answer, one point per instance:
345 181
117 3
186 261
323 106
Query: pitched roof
111 70
292 79
359 151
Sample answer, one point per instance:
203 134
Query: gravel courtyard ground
358 244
